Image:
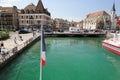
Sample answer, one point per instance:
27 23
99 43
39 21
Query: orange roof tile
97 14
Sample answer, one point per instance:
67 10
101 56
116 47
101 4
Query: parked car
60 30
48 30
23 32
74 29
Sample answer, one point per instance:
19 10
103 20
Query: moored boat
112 43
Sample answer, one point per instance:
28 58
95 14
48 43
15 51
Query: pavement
15 37
15 40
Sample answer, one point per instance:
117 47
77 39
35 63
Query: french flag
43 49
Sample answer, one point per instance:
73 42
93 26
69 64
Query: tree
100 23
117 27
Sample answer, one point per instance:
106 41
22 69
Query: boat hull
112 48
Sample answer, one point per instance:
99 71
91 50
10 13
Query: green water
67 59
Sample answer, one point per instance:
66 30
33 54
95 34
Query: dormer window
27 11
31 11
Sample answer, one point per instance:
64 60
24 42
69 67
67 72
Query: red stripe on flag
43 62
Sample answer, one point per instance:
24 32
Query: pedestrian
21 38
0 49
15 40
33 33
2 44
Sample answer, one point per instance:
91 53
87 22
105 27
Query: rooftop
97 14
6 9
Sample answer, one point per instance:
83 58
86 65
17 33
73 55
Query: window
40 17
36 17
22 17
26 17
38 22
31 17
27 21
31 11
22 21
27 11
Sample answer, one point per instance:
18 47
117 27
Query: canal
66 59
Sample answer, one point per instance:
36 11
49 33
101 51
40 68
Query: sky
72 10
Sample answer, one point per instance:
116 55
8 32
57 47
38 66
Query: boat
112 43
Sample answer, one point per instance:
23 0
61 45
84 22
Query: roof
97 14
6 9
31 6
40 6
113 8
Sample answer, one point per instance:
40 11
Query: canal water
66 59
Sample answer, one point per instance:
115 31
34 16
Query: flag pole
41 54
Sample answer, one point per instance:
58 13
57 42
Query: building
34 16
113 17
9 18
61 24
80 24
101 20
93 19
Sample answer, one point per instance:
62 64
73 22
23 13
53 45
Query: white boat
112 43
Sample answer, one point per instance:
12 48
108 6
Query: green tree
117 27
100 23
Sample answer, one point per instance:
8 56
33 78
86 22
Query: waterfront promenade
15 44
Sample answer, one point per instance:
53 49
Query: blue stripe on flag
43 42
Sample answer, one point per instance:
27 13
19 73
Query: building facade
107 21
93 18
80 24
9 18
61 24
34 16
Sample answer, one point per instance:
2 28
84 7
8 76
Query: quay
12 49
68 34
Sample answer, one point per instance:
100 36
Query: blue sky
75 10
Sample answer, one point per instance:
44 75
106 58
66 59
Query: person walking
15 40
0 50
2 44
